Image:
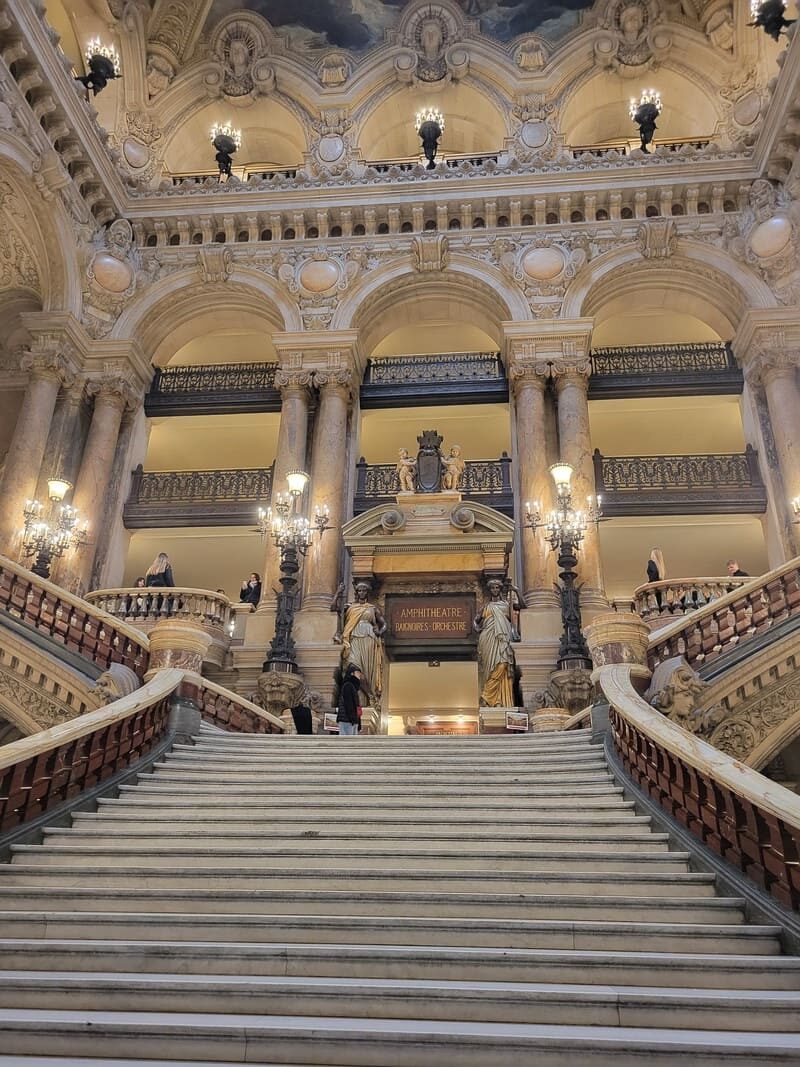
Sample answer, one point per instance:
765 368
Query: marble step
354 762
478 745
376 1042
741 1011
111 834
357 791
626 901
254 771
721 938
652 880
377 860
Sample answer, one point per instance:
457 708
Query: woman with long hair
159 573
656 571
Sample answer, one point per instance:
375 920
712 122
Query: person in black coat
251 590
347 715
159 576
656 571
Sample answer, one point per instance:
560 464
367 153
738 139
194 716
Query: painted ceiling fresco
361 24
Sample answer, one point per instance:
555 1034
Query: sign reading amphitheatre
430 618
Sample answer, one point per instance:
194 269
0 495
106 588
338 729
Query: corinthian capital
114 390
567 368
290 381
522 373
340 379
770 356
51 360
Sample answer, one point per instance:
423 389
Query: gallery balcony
662 602
413 381
680 485
664 370
196 498
485 481
214 389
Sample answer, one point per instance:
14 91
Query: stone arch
173 310
696 277
38 236
479 293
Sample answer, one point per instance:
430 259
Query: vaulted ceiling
360 24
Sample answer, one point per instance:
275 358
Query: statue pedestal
424 512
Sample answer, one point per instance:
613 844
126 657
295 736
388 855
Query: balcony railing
661 602
196 498
145 607
485 482
666 370
398 381
676 485
215 389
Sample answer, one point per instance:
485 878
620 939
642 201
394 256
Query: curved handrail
752 822
74 622
252 711
721 624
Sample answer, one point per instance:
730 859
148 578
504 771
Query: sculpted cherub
452 468
406 471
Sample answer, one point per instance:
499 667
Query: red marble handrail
754 608
73 622
748 820
47 769
228 710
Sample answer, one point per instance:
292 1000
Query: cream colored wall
648 326
674 425
202 558
419 687
226 346
212 442
433 339
483 431
693 546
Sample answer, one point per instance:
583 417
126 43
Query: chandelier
226 140
286 528
103 63
429 124
50 530
564 522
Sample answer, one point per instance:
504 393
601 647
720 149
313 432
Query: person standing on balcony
656 571
735 571
159 576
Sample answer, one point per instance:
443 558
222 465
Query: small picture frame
329 723
517 720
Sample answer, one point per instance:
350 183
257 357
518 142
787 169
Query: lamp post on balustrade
565 528
292 534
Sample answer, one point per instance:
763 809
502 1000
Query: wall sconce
103 63
226 140
644 113
429 124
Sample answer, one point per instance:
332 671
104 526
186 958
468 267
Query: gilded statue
360 634
452 468
496 662
406 471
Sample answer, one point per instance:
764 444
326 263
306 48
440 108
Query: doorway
433 697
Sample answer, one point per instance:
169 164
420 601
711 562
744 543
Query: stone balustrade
660 602
85 628
757 606
210 611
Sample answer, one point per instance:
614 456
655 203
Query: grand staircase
381 902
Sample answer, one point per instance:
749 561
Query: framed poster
329 723
517 720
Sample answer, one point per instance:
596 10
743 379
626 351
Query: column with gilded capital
571 377
295 388
48 369
328 479
112 394
529 382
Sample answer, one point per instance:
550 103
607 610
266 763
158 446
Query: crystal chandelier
284 526
564 522
103 63
429 124
226 140
644 113
50 530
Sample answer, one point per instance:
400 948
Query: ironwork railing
217 387
674 370
487 481
70 621
456 367
641 485
197 498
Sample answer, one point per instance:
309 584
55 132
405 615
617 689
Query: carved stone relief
18 268
241 47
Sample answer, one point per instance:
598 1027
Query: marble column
48 370
529 384
783 401
66 439
111 396
328 479
572 389
291 455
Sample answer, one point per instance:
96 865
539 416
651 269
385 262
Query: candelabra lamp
292 534
644 113
103 63
768 15
226 140
429 125
565 528
50 529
